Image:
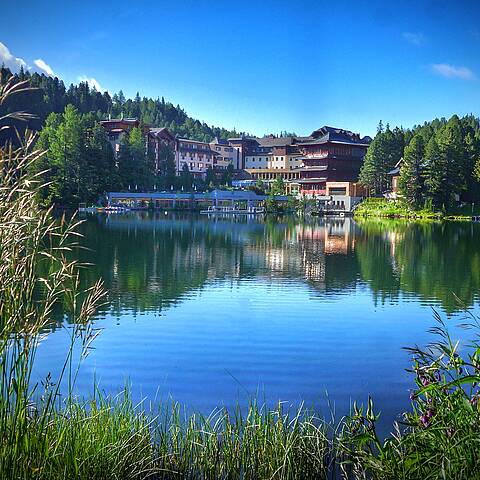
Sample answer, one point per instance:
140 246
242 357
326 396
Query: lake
215 311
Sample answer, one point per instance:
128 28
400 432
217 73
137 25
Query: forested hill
439 162
53 96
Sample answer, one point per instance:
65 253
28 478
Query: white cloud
11 62
15 63
92 82
43 66
415 38
451 71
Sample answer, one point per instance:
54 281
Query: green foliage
442 428
476 171
410 181
79 160
135 168
259 188
227 175
186 179
278 187
210 177
53 96
383 154
381 207
440 162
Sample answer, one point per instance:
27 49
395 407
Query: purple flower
424 420
424 380
426 417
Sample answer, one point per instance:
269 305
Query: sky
265 66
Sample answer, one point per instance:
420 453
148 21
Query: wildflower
413 395
426 418
425 381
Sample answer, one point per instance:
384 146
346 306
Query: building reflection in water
151 260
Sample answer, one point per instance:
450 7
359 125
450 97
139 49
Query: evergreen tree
436 177
135 169
227 175
278 187
374 172
410 181
186 178
64 157
452 153
210 178
476 171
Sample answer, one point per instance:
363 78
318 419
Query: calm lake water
215 311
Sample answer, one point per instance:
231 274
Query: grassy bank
381 207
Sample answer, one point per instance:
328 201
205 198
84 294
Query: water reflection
151 261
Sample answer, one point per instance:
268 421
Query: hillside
52 96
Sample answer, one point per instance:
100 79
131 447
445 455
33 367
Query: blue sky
263 66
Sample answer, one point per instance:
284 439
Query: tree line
50 95
80 165
79 161
439 162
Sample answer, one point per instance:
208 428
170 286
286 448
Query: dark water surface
215 311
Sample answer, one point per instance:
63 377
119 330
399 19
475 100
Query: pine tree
373 174
410 182
278 187
186 178
436 177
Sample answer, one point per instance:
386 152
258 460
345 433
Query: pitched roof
338 135
219 141
275 141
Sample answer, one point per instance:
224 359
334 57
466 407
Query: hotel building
197 156
157 138
330 155
118 128
226 154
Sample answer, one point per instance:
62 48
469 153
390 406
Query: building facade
330 155
273 157
157 139
226 154
118 128
305 164
196 156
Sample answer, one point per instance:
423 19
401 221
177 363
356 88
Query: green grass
381 207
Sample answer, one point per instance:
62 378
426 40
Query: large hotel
306 164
